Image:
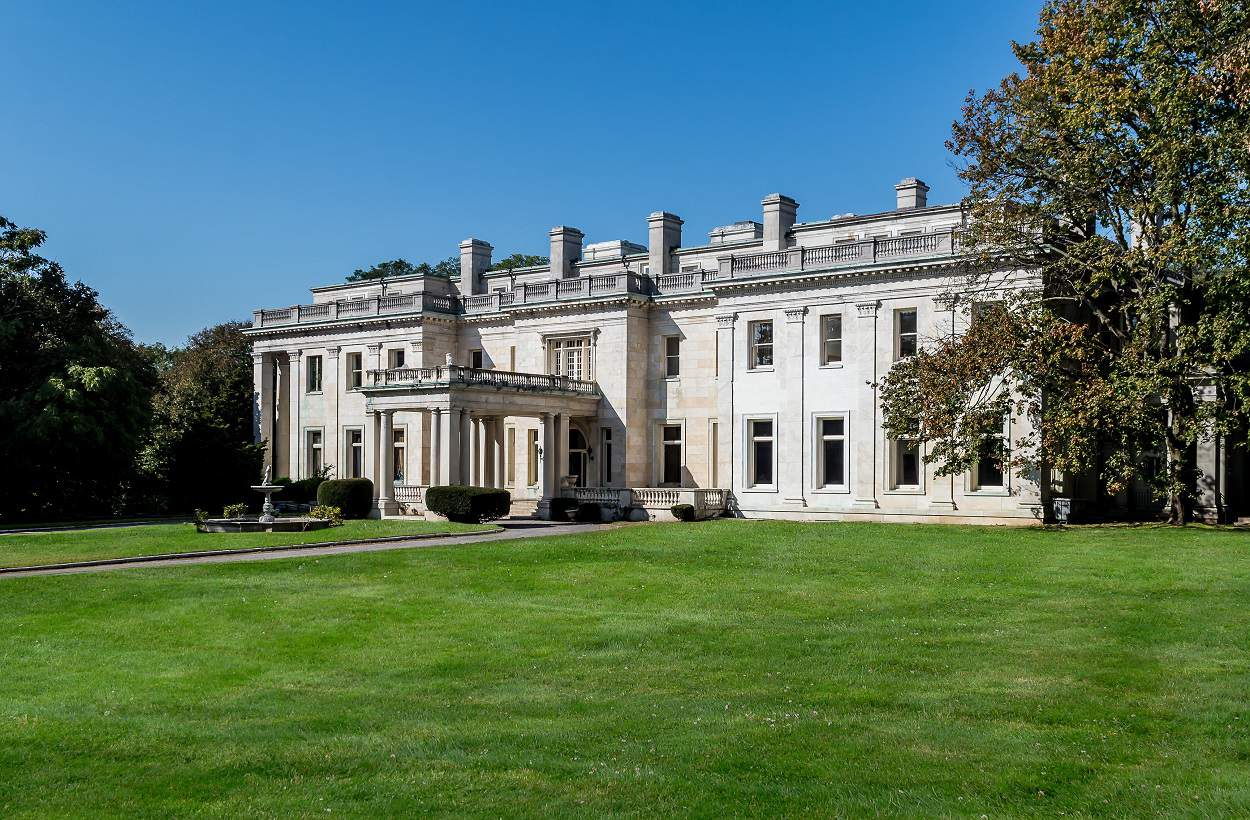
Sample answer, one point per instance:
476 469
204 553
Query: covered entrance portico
464 410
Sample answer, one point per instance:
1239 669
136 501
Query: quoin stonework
736 374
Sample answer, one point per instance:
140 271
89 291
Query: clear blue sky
194 163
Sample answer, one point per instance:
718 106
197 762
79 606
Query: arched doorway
578 456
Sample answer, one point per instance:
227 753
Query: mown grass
727 667
27 549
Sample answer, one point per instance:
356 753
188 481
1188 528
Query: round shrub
589 512
303 491
683 512
468 505
354 496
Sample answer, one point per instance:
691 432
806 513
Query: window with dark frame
989 474
475 359
399 460
355 453
906 338
761 452
832 453
761 339
831 339
670 458
316 461
906 463
605 455
314 374
672 356
355 371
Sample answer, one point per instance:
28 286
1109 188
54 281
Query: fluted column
864 430
448 424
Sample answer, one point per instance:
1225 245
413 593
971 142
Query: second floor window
905 337
314 374
475 359
355 371
831 339
395 358
672 356
760 336
570 357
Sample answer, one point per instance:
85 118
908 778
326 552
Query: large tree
74 391
402 267
1117 160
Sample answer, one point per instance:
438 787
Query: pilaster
725 398
865 444
792 444
296 397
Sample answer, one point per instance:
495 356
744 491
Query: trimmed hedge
303 491
682 512
354 496
589 511
468 505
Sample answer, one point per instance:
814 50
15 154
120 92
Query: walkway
512 530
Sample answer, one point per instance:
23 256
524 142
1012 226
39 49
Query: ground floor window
988 473
605 456
354 456
510 457
713 449
399 454
905 472
532 457
670 455
761 451
831 452
316 461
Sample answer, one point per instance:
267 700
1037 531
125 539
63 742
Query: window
605 456
316 463
670 455
672 356
760 453
532 458
399 460
395 358
512 358
355 371
570 357
475 359
510 458
906 464
760 336
904 333
314 374
713 446
355 455
988 473
831 339
831 455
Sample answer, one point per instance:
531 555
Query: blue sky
194 163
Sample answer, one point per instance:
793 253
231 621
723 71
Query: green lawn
26 549
727 667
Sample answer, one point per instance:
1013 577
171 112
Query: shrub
332 514
354 496
683 512
234 511
470 505
201 515
589 511
561 507
303 491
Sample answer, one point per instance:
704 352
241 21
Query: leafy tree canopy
519 260
1119 160
402 267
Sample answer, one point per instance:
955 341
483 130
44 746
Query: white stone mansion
733 374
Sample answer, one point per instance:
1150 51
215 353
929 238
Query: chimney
566 248
780 212
663 235
912 193
474 260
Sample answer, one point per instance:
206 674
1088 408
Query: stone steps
523 508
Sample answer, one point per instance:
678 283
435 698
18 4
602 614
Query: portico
464 409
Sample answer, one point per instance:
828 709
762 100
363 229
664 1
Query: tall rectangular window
672 356
316 461
831 455
670 456
906 464
395 358
399 454
760 336
532 459
355 453
988 473
713 448
605 456
905 337
510 457
570 357
475 359
831 339
355 371
760 452
314 374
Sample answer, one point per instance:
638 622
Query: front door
577 457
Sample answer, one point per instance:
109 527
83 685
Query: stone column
332 389
479 452
449 446
262 407
501 464
546 443
374 447
561 448
792 438
436 442
386 470
488 451
725 399
296 395
1210 457
864 427
466 447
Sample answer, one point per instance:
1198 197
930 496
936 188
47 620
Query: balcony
447 376
355 308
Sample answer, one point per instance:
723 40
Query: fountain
266 512
267 522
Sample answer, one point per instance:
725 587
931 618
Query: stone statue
268 470
450 362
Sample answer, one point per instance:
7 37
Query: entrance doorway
578 456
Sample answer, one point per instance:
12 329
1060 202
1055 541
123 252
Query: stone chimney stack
474 262
566 248
912 193
663 235
780 214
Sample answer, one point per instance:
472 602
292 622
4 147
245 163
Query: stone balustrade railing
448 375
656 501
410 493
599 286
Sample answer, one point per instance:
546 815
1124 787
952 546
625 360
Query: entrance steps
523 508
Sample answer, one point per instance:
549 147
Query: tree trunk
1179 471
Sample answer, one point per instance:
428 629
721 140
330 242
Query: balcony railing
449 375
599 286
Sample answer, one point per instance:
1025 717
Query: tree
74 391
402 267
200 452
1118 161
519 260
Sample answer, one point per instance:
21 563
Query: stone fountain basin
292 524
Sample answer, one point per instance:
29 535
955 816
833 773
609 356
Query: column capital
257 358
795 314
373 347
868 310
387 414
333 350
295 354
726 319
